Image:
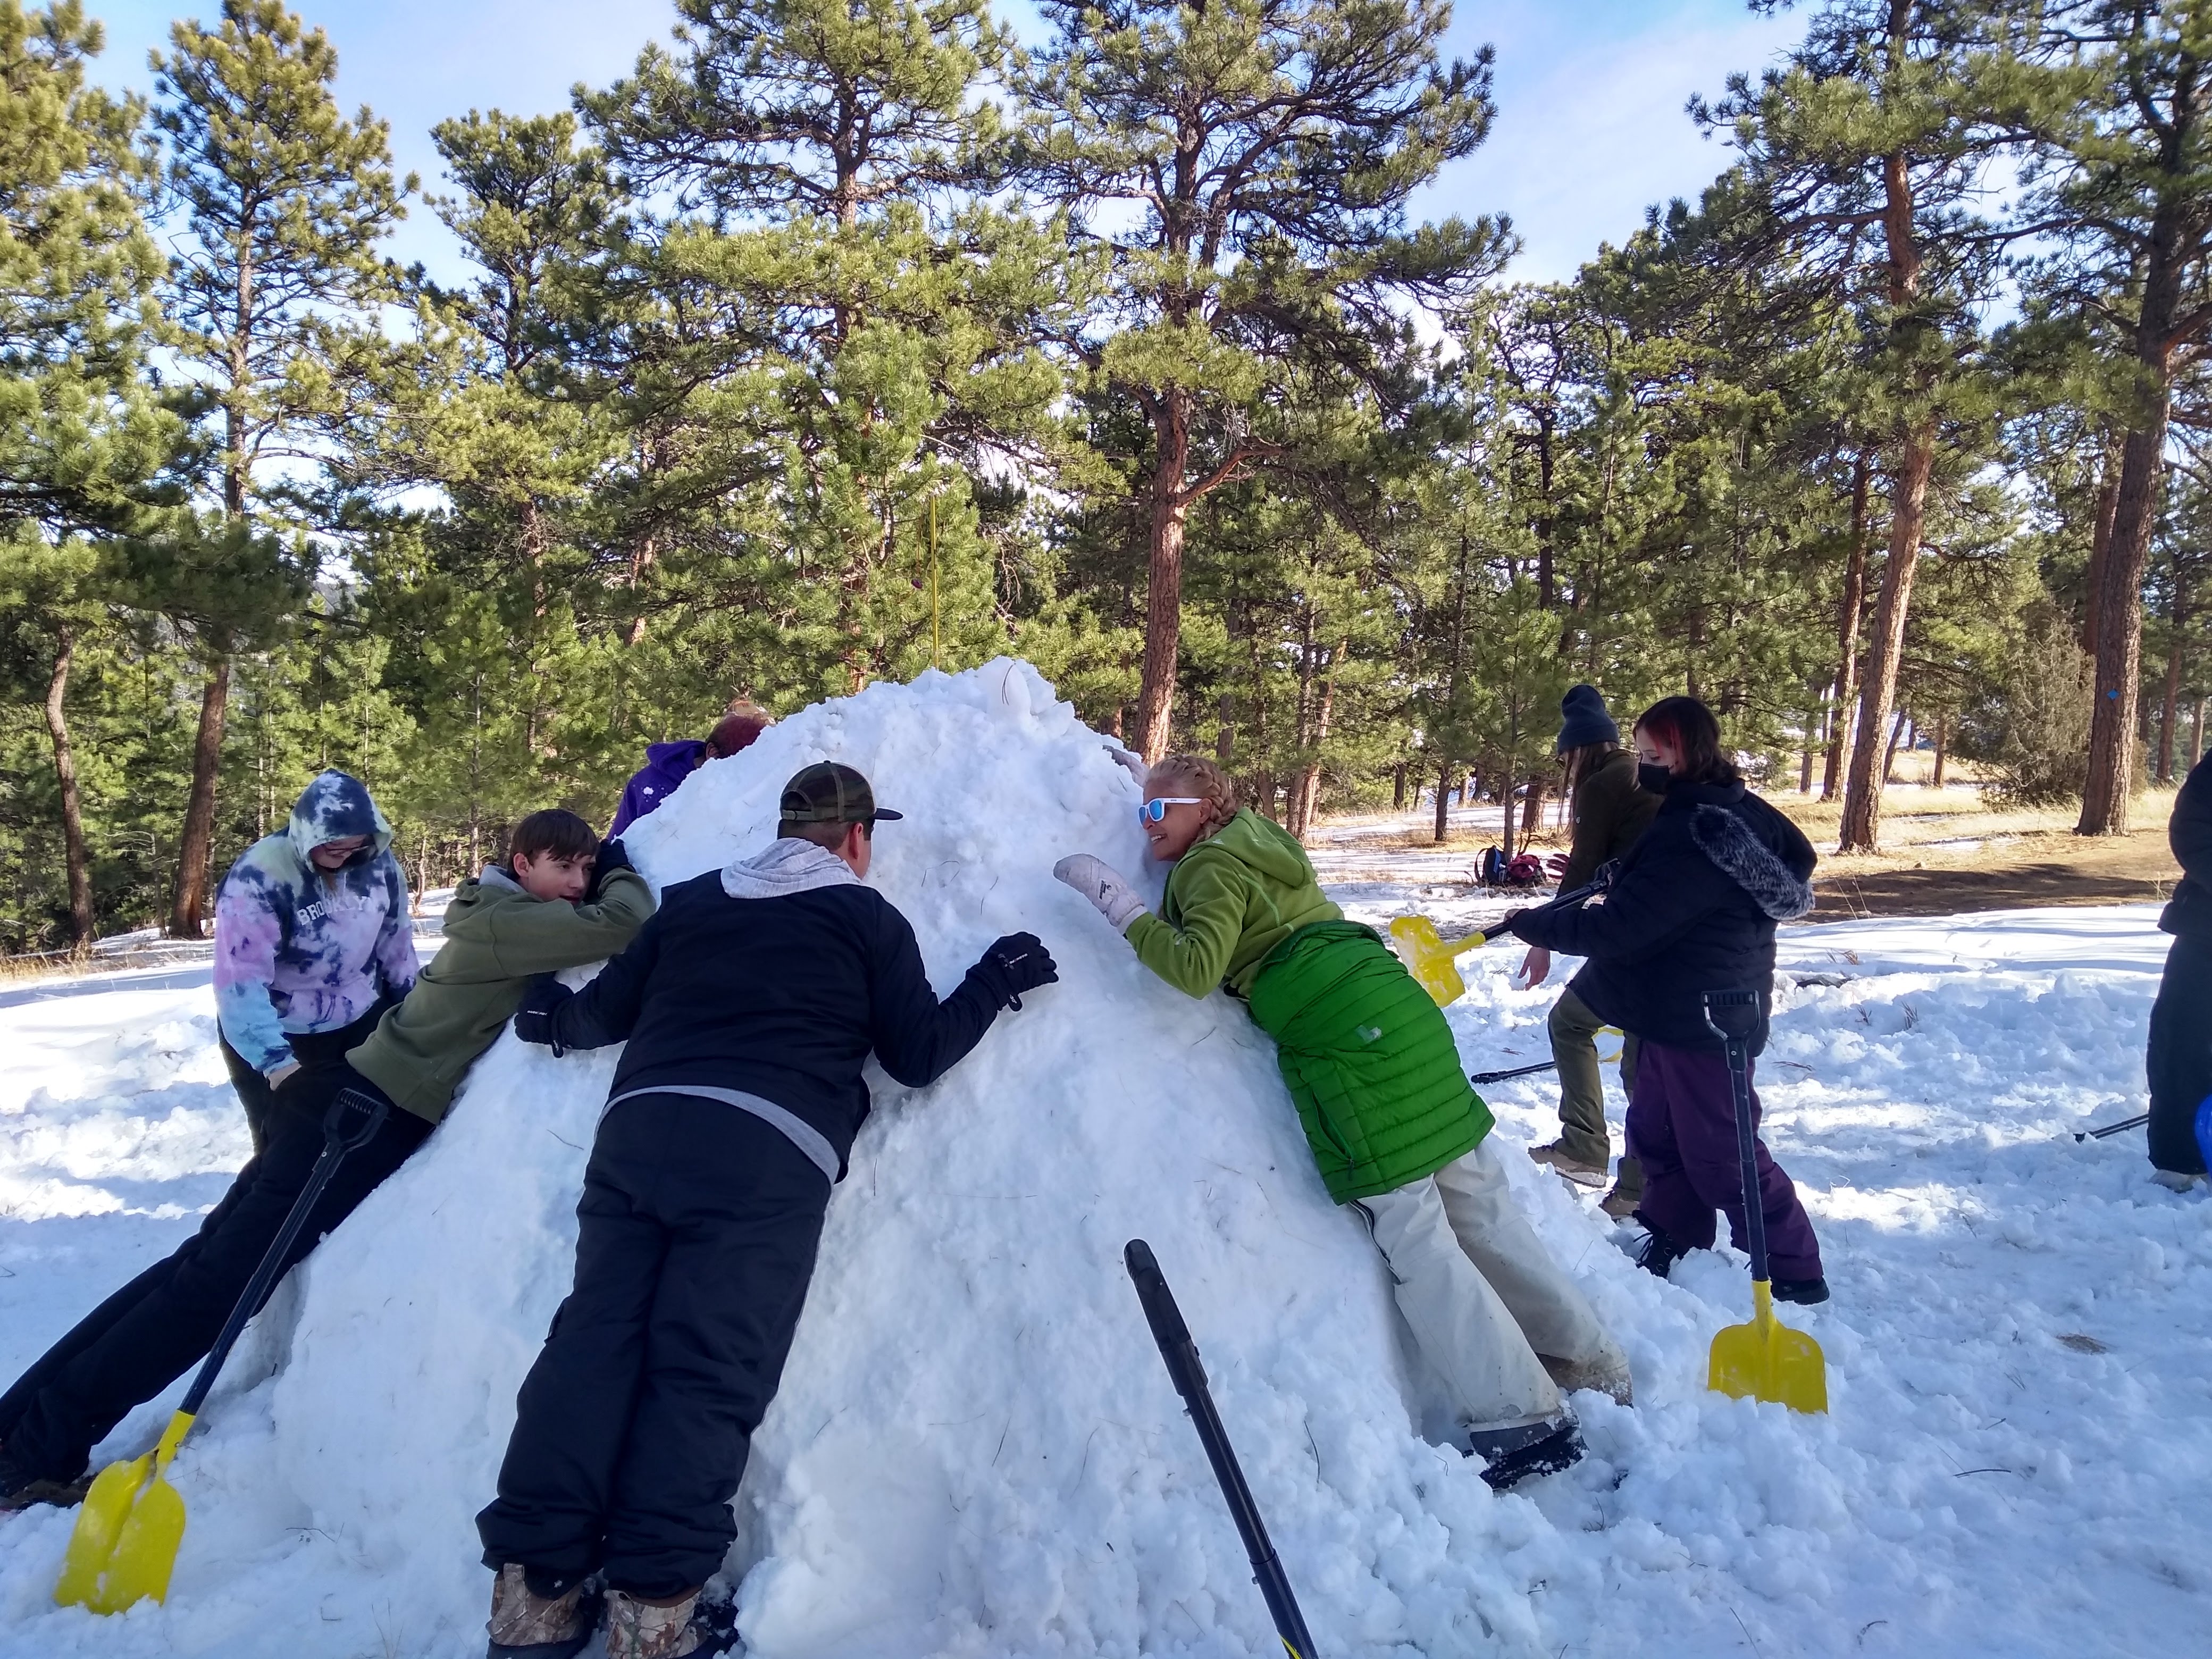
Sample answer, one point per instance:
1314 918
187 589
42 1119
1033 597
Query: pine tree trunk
2101 542
1532 812
1863 789
1164 592
2170 705
2196 735
1398 787
1943 733
2119 630
82 927
1849 610
198 841
2135 518
1897 731
1443 800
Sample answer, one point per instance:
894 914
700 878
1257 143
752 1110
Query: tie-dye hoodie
296 950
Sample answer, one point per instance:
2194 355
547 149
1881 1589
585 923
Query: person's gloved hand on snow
534 1020
1013 964
1107 888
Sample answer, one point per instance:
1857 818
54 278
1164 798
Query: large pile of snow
976 1452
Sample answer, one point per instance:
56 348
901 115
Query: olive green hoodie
1229 901
498 938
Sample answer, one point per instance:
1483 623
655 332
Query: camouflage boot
527 1625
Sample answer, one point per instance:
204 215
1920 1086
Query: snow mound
976 1450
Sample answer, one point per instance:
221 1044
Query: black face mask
1653 777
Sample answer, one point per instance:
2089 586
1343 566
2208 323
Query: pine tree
1246 168
283 202
1862 156
83 442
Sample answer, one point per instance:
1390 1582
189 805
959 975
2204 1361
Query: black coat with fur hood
1692 910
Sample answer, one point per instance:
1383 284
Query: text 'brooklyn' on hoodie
300 949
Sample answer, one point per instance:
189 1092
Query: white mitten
1103 885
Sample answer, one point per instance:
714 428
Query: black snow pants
160 1325
312 1049
699 1224
2180 1063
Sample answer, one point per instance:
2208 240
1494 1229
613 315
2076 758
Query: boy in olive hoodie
1397 1132
527 917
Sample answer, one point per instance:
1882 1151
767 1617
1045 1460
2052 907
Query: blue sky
1589 128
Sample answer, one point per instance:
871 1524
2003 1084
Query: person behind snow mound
1691 910
1396 1129
311 943
667 764
750 1003
559 901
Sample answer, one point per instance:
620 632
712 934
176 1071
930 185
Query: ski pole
1188 1376
2110 1129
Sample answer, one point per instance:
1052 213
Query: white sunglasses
1155 810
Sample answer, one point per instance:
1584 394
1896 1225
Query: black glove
1014 964
534 1020
613 856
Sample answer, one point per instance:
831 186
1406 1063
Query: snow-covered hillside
976 1451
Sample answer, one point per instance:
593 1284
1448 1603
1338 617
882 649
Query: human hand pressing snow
1133 764
1103 885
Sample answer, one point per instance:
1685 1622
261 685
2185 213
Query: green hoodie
1231 900
1366 1054
498 938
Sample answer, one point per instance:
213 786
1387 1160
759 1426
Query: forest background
840 339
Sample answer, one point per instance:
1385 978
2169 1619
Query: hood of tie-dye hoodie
299 949
337 807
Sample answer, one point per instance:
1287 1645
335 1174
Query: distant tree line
844 338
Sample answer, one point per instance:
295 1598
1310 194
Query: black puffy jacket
1692 910
783 998
2188 912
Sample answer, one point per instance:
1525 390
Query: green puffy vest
1368 1059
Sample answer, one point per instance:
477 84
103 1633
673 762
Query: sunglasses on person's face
1152 812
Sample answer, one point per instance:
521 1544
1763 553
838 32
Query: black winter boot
1658 1254
1513 1454
1806 1292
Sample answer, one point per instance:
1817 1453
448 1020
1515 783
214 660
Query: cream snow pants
1484 1298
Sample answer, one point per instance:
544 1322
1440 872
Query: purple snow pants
1681 1122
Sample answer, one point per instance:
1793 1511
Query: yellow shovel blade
1428 959
127 1532
1767 1360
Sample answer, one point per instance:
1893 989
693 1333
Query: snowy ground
976 1453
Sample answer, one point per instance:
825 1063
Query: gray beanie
1584 719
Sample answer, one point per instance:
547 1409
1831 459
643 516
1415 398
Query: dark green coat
1609 812
1367 1057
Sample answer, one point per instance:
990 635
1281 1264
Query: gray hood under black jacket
1692 908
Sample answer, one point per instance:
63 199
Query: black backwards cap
827 793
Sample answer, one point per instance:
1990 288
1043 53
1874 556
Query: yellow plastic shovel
1765 1360
124 1546
1429 959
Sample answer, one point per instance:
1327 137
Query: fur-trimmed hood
1724 836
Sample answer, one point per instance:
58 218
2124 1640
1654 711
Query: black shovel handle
353 1119
1478 1079
2110 1129
1746 1136
1188 1376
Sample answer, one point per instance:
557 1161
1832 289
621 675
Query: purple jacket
666 765
298 951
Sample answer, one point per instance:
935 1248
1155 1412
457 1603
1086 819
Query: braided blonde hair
1197 775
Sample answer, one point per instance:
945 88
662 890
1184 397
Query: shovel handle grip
352 1122
1181 1354
1738 1046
